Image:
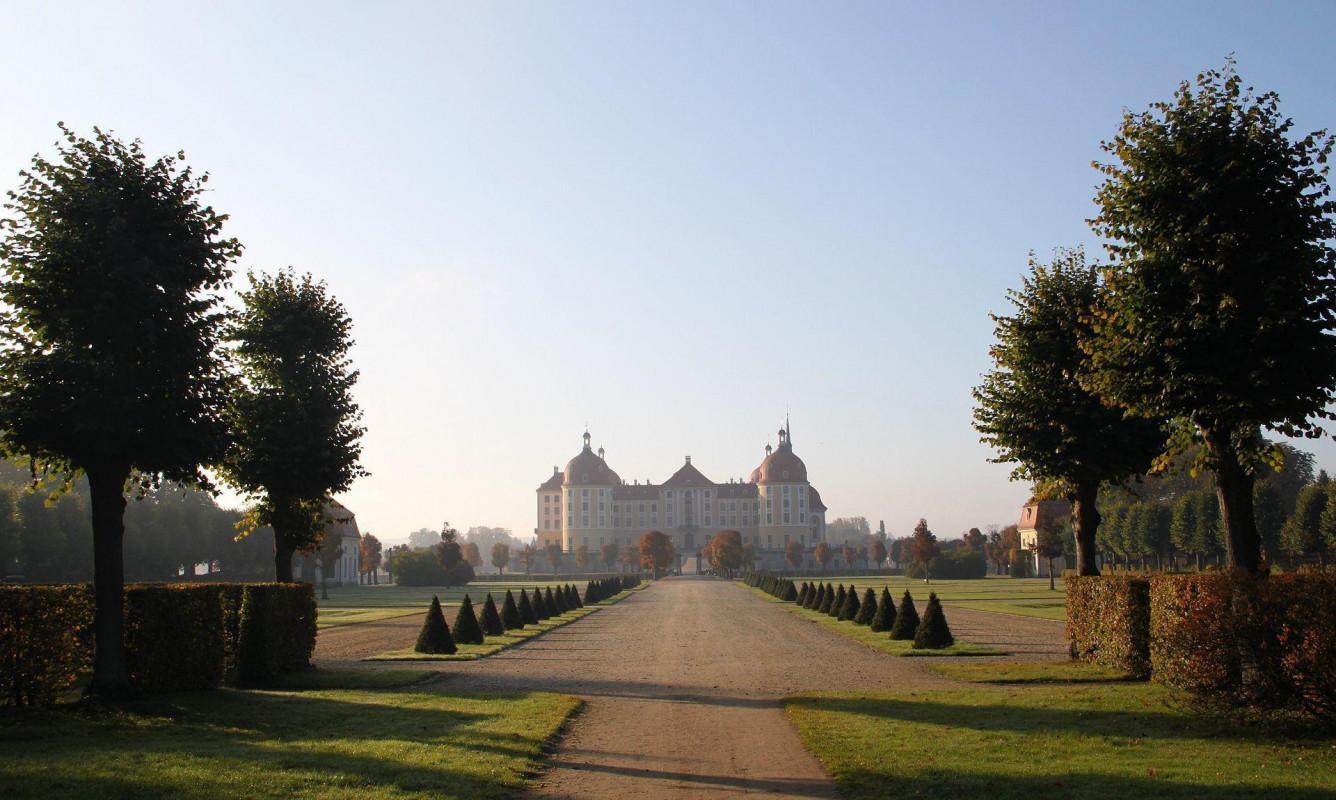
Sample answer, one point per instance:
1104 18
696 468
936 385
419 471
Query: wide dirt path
682 683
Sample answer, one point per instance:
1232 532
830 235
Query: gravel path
683 683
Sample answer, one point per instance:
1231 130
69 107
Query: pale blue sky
672 221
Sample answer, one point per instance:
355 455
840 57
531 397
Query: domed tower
586 493
788 507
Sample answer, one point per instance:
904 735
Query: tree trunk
111 674
1051 587
283 553
1234 489
1085 521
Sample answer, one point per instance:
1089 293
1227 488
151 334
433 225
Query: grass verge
882 641
335 744
1026 672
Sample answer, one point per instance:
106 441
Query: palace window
786 518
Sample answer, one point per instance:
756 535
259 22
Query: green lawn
493 644
878 640
1028 597
330 743
348 605
1081 735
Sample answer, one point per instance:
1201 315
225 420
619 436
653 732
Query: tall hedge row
177 636
1108 622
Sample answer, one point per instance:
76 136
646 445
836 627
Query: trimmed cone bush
573 596
802 594
526 609
885 616
510 613
466 629
590 594
818 597
491 618
933 632
789 594
906 619
539 603
837 603
867 609
555 607
829 598
435 635
851 605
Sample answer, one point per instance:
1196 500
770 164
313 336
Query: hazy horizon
674 225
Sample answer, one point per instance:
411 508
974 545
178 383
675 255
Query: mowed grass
330 743
878 640
350 605
1066 731
1028 597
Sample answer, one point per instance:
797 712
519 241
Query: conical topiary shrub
885 617
789 594
819 598
574 595
526 609
435 636
850 608
867 609
837 603
555 607
802 594
466 629
510 613
540 609
933 633
490 619
906 619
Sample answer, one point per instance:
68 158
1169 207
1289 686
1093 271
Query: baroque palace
588 505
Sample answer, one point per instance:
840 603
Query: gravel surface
682 684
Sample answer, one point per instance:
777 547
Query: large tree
656 552
109 362
724 552
297 437
500 557
793 553
370 559
1219 302
1034 411
925 546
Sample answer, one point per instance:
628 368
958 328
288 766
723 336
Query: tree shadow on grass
1001 716
243 744
1058 784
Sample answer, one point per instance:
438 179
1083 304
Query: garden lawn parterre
1078 736
1028 597
332 743
879 640
349 605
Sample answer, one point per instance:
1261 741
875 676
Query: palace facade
587 504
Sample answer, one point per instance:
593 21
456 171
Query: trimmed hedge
1267 642
1108 622
184 636
45 641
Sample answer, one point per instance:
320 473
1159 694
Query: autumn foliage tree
793 553
608 555
823 554
553 552
925 547
724 552
1218 306
500 557
109 358
370 557
656 552
877 551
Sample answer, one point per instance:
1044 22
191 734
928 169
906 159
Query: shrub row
177 636
529 609
960 564
903 623
1108 622
599 590
1230 640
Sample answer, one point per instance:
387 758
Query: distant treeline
167 533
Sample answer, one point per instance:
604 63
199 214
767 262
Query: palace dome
589 469
780 465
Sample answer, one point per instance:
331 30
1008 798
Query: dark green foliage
836 602
959 564
906 619
1108 622
113 271
466 629
850 607
817 598
510 613
44 641
526 609
788 593
435 635
539 605
867 609
933 633
423 568
491 618
174 637
273 625
552 602
573 596
885 618
802 594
